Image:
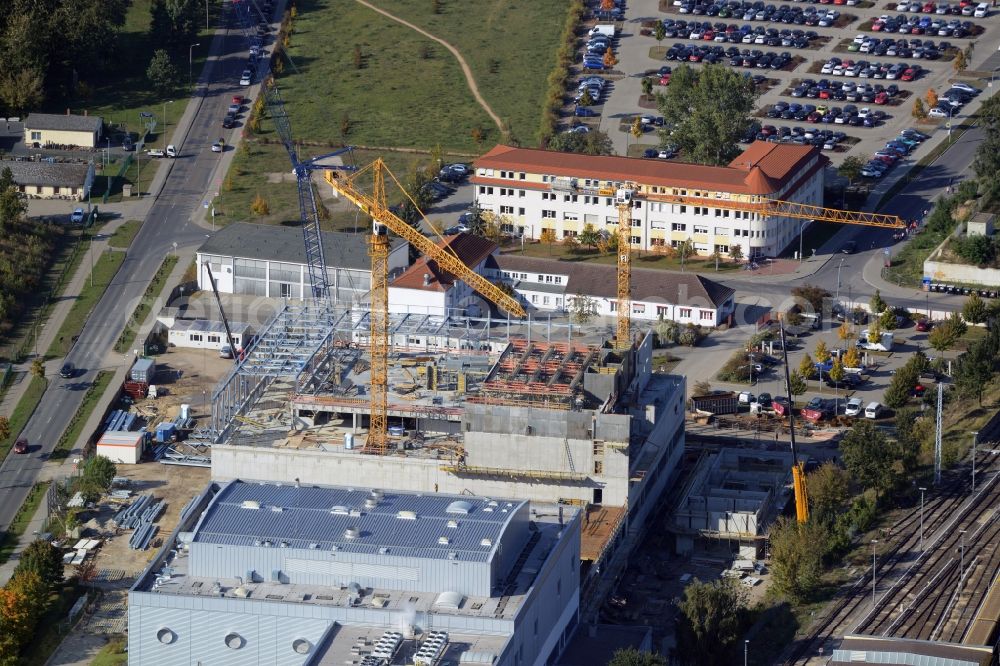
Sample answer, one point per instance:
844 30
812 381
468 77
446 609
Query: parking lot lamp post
191 53
922 490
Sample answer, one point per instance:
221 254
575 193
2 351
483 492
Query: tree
887 320
701 388
807 367
987 160
735 252
710 622
852 357
586 99
161 72
259 206
688 337
633 657
589 236
4 428
22 91
666 330
974 371
685 249
174 23
100 470
845 332
960 62
974 309
594 142
812 295
850 168
868 456
822 353
636 129
919 112
659 32
829 491
877 304
38 368
22 601
709 111
874 333
797 557
548 237
478 135
609 59
43 559
931 97
647 86
837 372
582 309
942 337
797 383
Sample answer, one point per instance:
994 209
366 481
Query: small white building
121 446
45 129
548 285
270 261
204 334
425 288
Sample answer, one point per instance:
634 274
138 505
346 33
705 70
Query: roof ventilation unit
313 546
376 494
452 555
486 543
459 506
283 544
250 504
354 594
383 551
407 515
277 509
453 524
352 533
371 503
339 510
444 541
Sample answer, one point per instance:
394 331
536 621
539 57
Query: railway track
898 565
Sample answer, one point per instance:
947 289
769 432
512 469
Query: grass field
510 47
79 420
403 89
124 234
112 654
105 268
249 173
152 292
22 412
21 519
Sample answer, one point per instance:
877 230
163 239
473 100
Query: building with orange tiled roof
539 189
426 288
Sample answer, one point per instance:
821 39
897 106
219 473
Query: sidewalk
34 527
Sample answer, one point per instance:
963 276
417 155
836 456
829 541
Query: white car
218 146
245 78
982 9
854 407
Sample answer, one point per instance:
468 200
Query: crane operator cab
623 196
379 229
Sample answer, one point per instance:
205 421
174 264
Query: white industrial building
426 288
536 190
204 334
270 261
289 574
546 285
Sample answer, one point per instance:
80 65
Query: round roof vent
352 533
234 641
166 636
301 646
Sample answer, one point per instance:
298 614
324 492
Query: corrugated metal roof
63 122
305 518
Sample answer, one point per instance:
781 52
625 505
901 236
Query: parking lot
859 64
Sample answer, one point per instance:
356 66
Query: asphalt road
166 224
871 241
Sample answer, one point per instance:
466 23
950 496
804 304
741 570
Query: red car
908 74
21 445
665 80
881 98
918 391
924 325
928 8
239 99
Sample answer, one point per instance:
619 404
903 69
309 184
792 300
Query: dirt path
466 70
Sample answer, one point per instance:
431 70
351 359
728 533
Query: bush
978 250
688 338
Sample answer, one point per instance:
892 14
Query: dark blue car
584 112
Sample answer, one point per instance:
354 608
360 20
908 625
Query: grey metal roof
59 121
541 287
45 173
274 243
305 518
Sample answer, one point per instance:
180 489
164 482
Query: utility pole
921 518
975 436
874 545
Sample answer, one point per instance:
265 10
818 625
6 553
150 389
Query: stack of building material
140 516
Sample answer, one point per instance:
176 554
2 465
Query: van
853 407
873 410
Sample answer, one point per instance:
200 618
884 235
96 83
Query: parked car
924 325
76 217
850 247
219 146
853 407
246 77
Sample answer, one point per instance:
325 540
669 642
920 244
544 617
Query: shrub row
560 73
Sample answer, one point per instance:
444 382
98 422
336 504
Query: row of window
548 279
197 337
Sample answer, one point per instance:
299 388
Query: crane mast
623 306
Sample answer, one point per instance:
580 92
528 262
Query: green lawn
510 47
22 412
122 238
79 420
105 268
10 538
908 264
152 292
52 626
406 90
112 654
253 166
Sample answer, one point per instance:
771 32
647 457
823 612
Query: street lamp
165 123
874 545
841 265
746 647
975 436
191 54
922 490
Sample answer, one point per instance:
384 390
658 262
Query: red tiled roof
763 168
470 249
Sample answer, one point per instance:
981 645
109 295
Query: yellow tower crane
383 221
623 201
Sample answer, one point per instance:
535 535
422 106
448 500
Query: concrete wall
405 474
939 271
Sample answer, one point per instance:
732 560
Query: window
684 312
571 217
506 210
548 279
635 240
568 234
545 300
638 308
520 194
661 310
684 209
36 136
700 229
721 231
545 179
485 190
549 214
195 337
520 211
506 192
548 195
657 242
559 279
214 338
706 315
521 176
558 302
285 290
722 249
677 226
636 223
534 298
